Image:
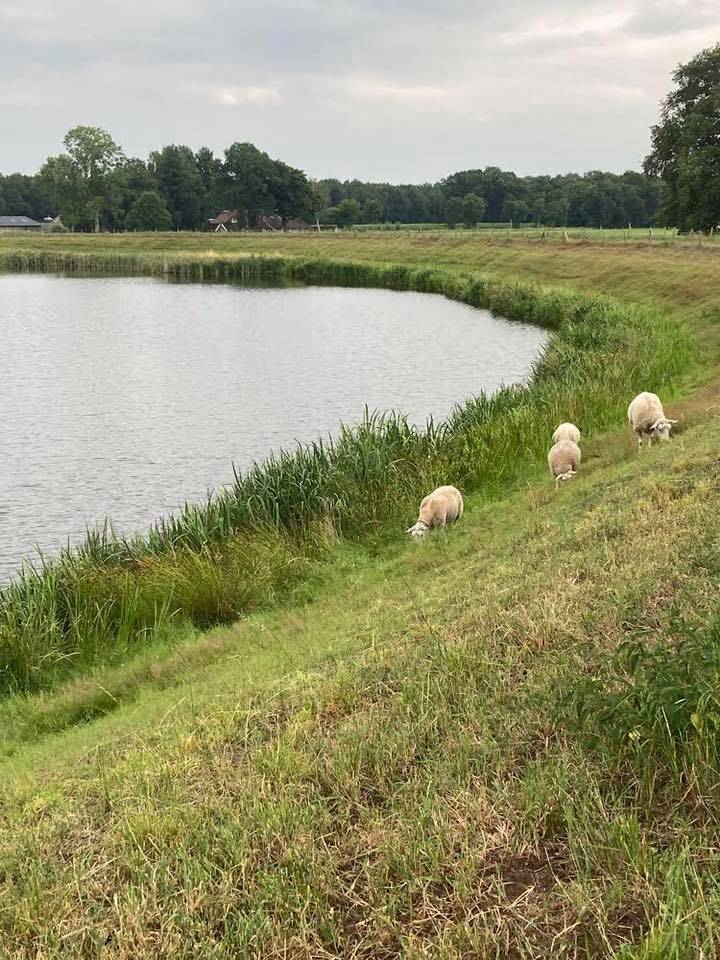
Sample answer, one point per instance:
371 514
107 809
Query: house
228 220
268 221
19 223
224 222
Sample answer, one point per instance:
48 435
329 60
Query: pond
123 398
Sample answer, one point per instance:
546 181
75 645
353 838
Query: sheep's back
563 456
645 410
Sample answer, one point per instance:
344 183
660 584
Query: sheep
564 460
442 506
566 431
647 418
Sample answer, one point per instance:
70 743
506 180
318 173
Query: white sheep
442 506
564 460
647 418
566 431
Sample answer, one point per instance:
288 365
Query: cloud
234 96
377 90
569 27
403 91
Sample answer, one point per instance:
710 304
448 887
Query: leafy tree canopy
686 145
148 211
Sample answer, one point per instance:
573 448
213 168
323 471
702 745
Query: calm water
122 398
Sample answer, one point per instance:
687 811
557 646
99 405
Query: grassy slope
379 772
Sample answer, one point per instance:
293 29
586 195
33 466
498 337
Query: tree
176 172
247 175
516 211
148 211
128 181
473 209
292 193
345 214
372 212
80 181
686 144
454 211
68 193
419 211
209 167
396 204
556 211
537 211
93 152
21 195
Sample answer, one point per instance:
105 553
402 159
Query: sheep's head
417 531
564 477
661 428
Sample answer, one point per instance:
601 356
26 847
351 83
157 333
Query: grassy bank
499 743
255 540
431 793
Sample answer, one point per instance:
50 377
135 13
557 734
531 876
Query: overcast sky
398 90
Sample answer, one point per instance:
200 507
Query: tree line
594 199
93 185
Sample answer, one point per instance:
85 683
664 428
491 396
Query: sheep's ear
673 421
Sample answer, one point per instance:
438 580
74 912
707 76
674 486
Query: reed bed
253 540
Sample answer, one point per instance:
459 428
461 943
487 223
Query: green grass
417 796
421 750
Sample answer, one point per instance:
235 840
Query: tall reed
211 561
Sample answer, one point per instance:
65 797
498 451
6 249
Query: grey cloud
668 17
406 90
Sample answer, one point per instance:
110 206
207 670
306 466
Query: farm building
268 221
228 220
224 222
19 223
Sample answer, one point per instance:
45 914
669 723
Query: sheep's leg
640 441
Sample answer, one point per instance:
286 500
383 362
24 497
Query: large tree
473 209
148 211
248 177
455 211
686 144
129 181
80 180
345 214
176 171
294 197
210 169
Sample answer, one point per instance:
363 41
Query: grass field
499 743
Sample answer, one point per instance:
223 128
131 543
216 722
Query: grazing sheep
564 460
442 506
647 418
566 431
